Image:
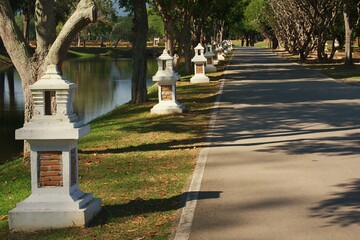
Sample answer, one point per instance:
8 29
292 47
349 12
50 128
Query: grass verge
137 163
334 69
340 72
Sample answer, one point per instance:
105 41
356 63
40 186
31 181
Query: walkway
284 162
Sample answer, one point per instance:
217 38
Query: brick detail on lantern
50 169
73 167
199 68
166 92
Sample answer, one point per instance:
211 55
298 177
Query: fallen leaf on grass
140 238
14 179
159 224
153 234
3 217
132 230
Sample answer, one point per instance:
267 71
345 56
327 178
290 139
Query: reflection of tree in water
94 83
2 91
343 208
100 84
9 76
11 115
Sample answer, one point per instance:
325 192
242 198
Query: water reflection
103 84
11 113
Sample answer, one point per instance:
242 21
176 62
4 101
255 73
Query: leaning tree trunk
139 90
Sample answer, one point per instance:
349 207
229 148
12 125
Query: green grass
347 74
262 44
137 163
334 69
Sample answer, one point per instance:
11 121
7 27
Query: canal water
102 85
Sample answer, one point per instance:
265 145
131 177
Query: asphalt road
285 155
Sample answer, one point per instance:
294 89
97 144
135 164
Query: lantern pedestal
56 200
167 99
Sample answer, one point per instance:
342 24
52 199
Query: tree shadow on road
143 206
343 208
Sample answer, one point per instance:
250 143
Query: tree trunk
321 55
44 26
169 23
187 42
275 42
169 34
78 40
333 49
139 89
348 33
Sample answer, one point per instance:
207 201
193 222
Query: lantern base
210 68
28 217
199 78
167 107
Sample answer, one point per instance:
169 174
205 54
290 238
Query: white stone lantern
231 45
166 78
56 200
209 59
199 61
220 54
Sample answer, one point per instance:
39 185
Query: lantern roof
167 73
199 58
52 80
210 53
165 56
199 47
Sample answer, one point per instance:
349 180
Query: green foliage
101 30
254 15
20 23
122 30
127 4
156 25
63 9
